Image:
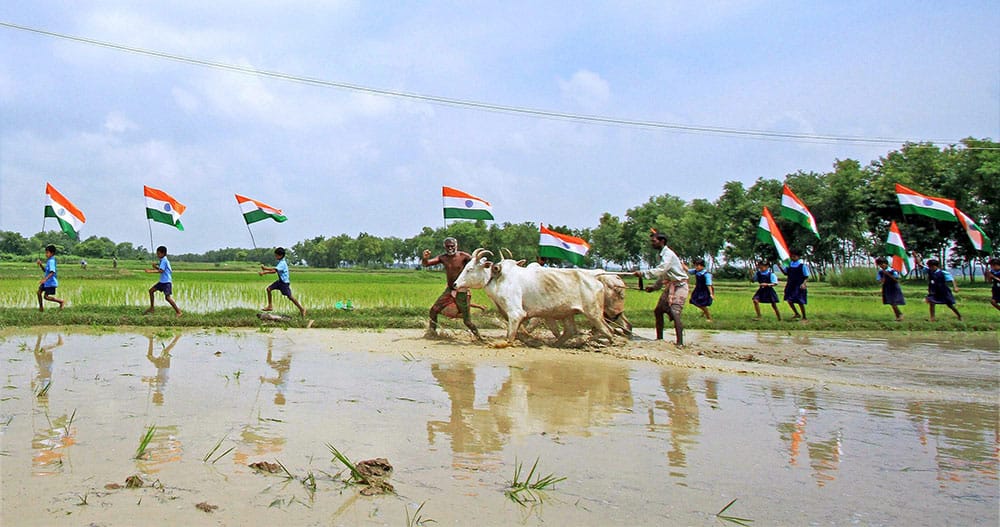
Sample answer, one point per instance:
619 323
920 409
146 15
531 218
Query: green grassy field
230 295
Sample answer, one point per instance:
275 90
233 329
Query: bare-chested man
453 261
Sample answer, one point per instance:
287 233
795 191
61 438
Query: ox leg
569 330
596 318
513 325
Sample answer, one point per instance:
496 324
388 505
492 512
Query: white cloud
117 123
586 89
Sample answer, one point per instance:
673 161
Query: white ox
521 293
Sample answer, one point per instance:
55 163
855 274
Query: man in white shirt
670 275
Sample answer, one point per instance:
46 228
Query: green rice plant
144 442
288 475
853 277
524 491
69 422
215 448
309 482
44 391
744 522
417 519
356 475
83 499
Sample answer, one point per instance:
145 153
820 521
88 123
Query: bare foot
62 305
267 308
148 311
430 334
302 312
42 309
899 318
178 315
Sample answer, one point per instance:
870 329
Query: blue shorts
47 290
166 288
284 287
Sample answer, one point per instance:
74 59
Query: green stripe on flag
467 214
259 215
927 211
550 251
163 217
63 224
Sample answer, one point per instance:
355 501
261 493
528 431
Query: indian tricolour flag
913 202
254 211
901 261
71 219
793 209
162 207
767 231
552 244
979 239
461 206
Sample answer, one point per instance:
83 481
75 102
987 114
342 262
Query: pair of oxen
553 295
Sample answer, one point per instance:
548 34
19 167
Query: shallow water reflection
620 431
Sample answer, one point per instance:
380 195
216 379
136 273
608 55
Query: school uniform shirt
282 269
892 292
166 273
50 267
996 284
938 291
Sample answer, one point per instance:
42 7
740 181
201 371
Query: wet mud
101 428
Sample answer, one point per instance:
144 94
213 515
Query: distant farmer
166 282
47 285
892 293
938 291
283 284
671 275
795 289
453 261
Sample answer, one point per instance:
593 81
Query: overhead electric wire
485 106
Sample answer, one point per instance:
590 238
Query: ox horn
510 255
480 253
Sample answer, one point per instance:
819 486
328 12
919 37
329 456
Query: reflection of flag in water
980 241
896 250
552 244
913 202
461 206
71 219
162 207
767 231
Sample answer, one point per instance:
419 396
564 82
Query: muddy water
639 443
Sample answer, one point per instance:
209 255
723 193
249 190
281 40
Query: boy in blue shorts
165 284
282 284
47 286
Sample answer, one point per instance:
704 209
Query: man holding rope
670 275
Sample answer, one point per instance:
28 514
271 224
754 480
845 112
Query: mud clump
206 507
133 482
266 466
373 473
112 486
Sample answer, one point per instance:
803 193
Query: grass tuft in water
417 519
524 491
745 522
356 475
144 442
216 448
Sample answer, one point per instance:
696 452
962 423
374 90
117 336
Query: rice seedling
144 442
744 522
417 519
288 475
309 482
356 475
216 448
408 357
524 491
69 422
83 499
236 375
44 390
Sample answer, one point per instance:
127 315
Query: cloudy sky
99 123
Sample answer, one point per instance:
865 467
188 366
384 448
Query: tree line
853 205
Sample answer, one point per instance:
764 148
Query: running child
283 284
795 290
765 294
994 275
892 293
704 292
47 285
165 284
938 291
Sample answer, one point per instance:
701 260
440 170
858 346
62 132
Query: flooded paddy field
821 430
